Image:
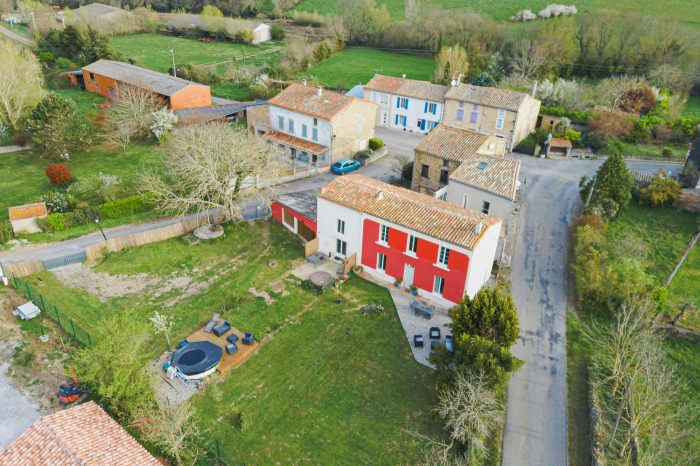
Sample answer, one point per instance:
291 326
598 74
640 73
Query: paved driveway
16 412
536 426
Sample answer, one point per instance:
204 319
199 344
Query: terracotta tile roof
304 99
490 173
487 96
127 73
558 142
82 436
38 209
415 211
450 143
298 143
408 87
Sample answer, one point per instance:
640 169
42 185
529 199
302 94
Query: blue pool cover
197 357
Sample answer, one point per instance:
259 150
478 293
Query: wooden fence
22 269
311 247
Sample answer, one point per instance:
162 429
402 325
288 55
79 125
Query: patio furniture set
219 330
434 336
422 309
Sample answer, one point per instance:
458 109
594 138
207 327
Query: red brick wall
100 84
190 97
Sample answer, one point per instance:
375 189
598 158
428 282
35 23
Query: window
421 124
341 226
431 107
438 285
412 244
303 131
473 117
315 121
384 99
445 163
466 201
288 219
424 171
485 207
444 176
341 247
280 122
381 261
501 118
460 114
400 120
401 102
384 234
91 76
443 255
314 134
291 126
461 105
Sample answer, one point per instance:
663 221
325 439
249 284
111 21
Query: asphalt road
536 424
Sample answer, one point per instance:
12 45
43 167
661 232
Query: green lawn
692 107
329 385
87 103
685 289
231 90
21 29
687 11
153 50
652 151
358 64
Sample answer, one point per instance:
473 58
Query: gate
65 260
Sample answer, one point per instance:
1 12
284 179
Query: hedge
575 116
128 206
375 144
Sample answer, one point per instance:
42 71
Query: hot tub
198 359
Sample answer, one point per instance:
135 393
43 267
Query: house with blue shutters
406 104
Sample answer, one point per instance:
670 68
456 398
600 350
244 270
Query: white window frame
438 285
384 234
443 256
381 262
294 225
384 99
412 245
341 226
500 119
341 247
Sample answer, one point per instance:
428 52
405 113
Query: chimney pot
379 196
319 91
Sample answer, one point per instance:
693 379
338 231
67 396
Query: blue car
344 166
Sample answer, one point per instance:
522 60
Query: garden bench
222 328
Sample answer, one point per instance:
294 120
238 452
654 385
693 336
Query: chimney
454 82
479 228
403 76
534 89
319 91
379 196
303 81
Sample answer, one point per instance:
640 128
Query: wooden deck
228 361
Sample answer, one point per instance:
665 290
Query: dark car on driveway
344 166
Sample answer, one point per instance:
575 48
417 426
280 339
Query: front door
408 275
385 118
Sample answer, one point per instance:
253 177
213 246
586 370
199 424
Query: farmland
329 384
356 65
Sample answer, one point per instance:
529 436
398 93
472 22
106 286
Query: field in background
687 11
355 65
692 107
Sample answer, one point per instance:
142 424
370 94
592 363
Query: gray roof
188 116
160 83
98 9
357 91
302 202
487 96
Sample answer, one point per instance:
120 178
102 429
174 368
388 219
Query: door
385 118
408 275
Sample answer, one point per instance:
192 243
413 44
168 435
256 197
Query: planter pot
414 292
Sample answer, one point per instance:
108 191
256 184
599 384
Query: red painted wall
277 215
425 271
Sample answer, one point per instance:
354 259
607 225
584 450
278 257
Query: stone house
105 76
317 126
443 151
505 114
406 104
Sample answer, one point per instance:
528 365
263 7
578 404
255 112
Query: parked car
344 166
449 344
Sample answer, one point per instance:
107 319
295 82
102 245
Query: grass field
652 151
687 11
685 289
692 107
153 50
329 384
358 64
657 237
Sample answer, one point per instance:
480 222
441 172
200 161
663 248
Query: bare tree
20 83
470 410
451 63
131 114
174 430
214 166
162 324
398 164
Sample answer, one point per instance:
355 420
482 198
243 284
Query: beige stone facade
353 128
258 119
512 121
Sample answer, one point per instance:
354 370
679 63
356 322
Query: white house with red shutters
445 251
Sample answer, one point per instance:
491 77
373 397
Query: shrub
52 223
667 152
577 116
527 145
128 206
56 201
363 154
407 172
5 231
662 190
245 36
375 144
596 141
84 216
277 32
58 174
322 51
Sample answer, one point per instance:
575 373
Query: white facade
405 113
470 197
262 33
481 260
327 215
291 122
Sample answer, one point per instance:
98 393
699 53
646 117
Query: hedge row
575 116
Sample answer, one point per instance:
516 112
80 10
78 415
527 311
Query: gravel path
16 412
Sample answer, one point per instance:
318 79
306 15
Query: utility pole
97 221
590 191
172 53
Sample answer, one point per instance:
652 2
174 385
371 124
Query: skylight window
481 165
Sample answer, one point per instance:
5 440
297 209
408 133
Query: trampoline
198 359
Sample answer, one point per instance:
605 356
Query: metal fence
66 323
65 260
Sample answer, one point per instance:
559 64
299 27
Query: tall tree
55 127
20 83
214 167
451 63
610 190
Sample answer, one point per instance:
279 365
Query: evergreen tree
96 47
610 190
55 127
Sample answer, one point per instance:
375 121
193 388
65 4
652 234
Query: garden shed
23 217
